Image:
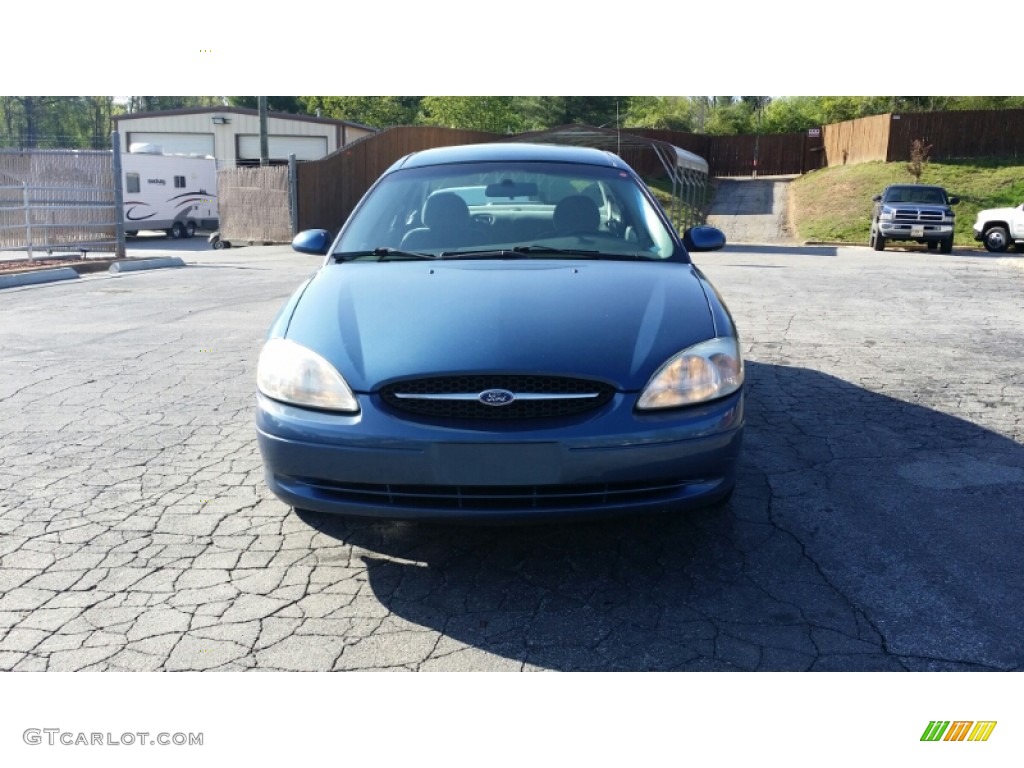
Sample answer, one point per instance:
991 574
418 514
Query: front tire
877 241
946 246
997 240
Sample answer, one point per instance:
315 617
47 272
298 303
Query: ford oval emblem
496 397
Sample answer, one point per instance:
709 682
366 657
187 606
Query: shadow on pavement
781 250
865 533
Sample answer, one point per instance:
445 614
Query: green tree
791 114
551 111
497 114
72 122
676 113
375 111
290 104
728 120
161 103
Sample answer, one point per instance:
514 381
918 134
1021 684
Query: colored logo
958 730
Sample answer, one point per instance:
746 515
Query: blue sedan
503 331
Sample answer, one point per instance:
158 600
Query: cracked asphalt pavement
876 524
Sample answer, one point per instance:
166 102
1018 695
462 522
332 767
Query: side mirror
954 201
314 241
703 238
876 199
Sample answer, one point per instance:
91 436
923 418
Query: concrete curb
134 266
38 277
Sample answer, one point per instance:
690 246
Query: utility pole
115 145
264 144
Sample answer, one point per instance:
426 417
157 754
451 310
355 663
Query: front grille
535 397
913 215
499 498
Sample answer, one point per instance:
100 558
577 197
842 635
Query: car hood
921 206
608 320
998 213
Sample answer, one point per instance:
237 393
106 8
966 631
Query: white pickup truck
999 228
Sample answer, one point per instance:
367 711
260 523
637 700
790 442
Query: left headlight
293 374
706 371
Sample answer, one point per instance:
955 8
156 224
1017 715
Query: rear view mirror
954 201
509 188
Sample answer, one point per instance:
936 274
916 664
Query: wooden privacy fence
959 135
952 136
254 204
329 188
777 154
857 141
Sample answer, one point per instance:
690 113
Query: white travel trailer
173 193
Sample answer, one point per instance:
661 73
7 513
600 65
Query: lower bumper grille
497 498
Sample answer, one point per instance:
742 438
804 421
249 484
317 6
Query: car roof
518 152
914 186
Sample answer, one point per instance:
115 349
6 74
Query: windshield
540 209
915 194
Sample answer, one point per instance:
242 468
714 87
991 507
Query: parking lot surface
876 524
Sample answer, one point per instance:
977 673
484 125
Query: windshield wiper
383 254
523 252
545 249
488 253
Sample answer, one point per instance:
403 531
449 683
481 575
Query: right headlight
291 373
706 371
885 214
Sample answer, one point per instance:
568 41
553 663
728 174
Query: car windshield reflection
523 207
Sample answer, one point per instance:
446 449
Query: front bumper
610 462
920 232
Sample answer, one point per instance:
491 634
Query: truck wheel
946 246
878 242
190 229
933 245
997 239
177 231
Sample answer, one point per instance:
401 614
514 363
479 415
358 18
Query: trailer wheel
219 244
190 229
177 230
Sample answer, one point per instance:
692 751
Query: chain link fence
57 200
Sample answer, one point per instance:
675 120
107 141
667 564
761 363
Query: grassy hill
834 204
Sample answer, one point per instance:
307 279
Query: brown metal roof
613 140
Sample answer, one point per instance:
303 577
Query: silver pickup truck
916 212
